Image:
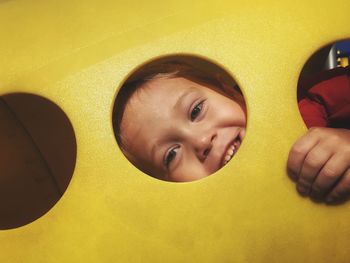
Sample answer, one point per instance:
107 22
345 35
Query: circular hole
323 87
179 118
38 154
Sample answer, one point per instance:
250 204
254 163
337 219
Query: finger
316 158
330 173
341 191
298 153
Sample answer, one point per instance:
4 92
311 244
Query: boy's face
178 130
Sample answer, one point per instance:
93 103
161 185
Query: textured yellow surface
77 53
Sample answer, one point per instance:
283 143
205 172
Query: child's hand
319 162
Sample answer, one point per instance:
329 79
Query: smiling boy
181 125
177 123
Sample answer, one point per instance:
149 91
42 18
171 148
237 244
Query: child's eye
170 156
196 111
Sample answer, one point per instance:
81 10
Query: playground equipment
78 53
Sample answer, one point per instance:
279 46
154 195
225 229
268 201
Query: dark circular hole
179 118
38 154
323 87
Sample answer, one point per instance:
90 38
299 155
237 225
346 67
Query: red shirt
324 100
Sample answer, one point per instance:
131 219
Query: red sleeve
327 103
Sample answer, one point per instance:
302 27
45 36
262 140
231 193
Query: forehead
154 98
151 104
160 88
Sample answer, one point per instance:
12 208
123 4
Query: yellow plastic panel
77 53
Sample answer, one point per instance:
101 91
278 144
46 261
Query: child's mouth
231 150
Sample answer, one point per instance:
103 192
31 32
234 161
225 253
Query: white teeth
231 151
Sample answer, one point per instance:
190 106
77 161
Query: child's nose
203 145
